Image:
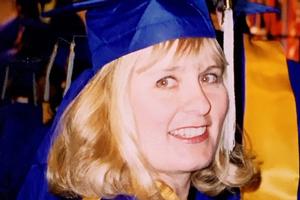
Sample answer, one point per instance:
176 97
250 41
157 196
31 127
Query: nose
195 100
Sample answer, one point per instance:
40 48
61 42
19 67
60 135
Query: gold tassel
47 111
47 78
34 89
70 66
5 83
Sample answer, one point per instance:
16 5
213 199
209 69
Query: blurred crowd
35 53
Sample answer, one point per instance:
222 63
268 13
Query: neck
180 184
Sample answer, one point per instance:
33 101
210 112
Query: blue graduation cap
147 22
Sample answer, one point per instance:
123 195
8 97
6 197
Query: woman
149 124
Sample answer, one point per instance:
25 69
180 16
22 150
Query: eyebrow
145 68
167 69
175 67
210 67
171 68
221 67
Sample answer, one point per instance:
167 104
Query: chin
203 163
194 166
201 166
197 163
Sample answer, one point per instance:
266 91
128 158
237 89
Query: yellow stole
271 120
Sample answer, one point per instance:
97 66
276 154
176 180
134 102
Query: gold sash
271 120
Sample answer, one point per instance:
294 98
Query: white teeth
188 132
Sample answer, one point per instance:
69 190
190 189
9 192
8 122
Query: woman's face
179 106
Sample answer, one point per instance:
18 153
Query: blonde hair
96 154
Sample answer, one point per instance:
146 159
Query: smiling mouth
191 135
188 132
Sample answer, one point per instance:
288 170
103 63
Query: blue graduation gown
21 131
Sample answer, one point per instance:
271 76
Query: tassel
4 87
34 89
230 121
47 78
70 66
47 111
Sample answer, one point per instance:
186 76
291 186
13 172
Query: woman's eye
210 78
166 82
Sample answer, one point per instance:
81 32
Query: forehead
197 51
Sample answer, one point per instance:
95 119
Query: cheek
219 107
222 105
150 110
152 117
